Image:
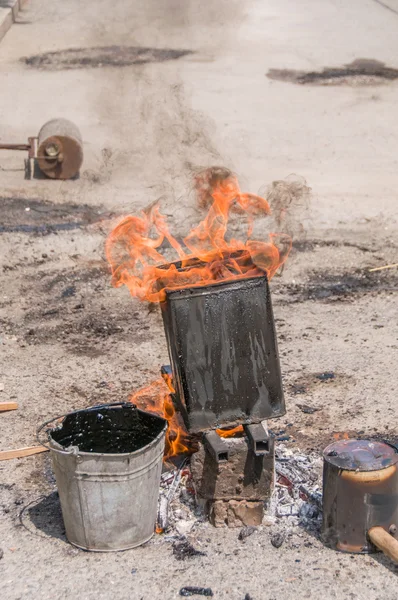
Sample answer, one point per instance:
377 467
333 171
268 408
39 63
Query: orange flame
206 256
156 398
227 433
341 435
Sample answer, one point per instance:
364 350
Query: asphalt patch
361 72
307 382
343 287
32 215
183 549
69 308
102 56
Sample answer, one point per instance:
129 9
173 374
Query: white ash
296 499
297 495
177 509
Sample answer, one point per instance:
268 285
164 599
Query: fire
206 255
227 433
156 398
341 435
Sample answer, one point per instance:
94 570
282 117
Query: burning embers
207 254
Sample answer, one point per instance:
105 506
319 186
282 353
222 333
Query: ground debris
296 499
184 549
277 540
308 410
325 376
191 590
245 532
176 505
178 513
360 72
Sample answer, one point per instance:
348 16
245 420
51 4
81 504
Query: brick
235 513
243 476
244 513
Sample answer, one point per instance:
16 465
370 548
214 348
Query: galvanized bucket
107 462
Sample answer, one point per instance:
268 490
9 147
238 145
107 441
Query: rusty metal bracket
260 442
216 446
15 147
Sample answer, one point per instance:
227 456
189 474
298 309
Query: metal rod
14 146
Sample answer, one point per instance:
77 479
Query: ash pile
295 499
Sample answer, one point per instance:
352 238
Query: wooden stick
384 542
8 406
382 268
21 452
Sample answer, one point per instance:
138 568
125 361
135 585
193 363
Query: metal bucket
107 462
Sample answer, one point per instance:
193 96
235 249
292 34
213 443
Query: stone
235 513
244 513
277 540
246 532
218 513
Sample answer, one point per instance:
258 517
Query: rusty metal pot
360 496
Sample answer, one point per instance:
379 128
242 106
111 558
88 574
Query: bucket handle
40 429
96 407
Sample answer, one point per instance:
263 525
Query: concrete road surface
200 90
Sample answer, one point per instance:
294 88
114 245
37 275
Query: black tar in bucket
109 429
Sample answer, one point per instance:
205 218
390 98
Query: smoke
144 114
290 200
205 181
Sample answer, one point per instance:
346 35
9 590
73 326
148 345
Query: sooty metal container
223 352
360 491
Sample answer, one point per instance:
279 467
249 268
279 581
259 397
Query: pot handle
42 426
384 542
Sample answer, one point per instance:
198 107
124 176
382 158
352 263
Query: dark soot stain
330 287
108 430
103 56
40 216
362 71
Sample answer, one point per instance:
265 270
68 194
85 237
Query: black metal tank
223 351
